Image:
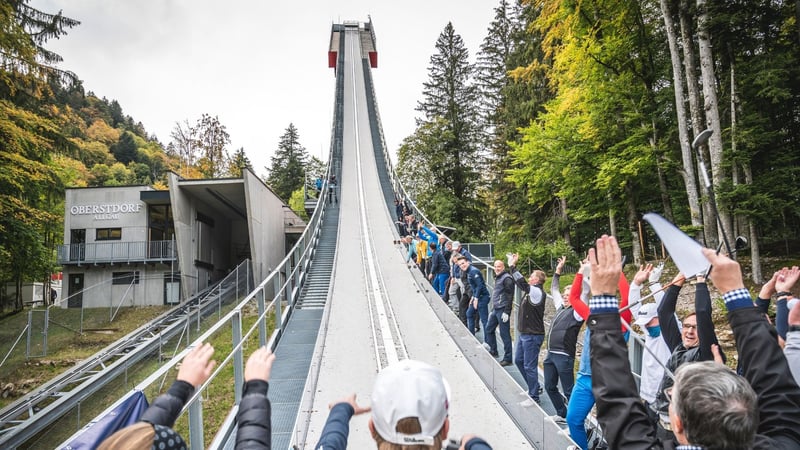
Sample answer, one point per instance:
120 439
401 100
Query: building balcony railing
117 252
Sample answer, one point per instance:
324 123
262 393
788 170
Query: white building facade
137 246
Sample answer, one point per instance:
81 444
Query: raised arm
765 366
555 284
666 314
706 334
575 292
784 284
620 411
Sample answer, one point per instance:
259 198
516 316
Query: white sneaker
486 346
558 419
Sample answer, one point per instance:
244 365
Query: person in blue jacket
410 406
480 295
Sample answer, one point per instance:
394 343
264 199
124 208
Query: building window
108 234
125 277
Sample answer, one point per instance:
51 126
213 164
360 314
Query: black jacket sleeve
705 324
254 418
767 371
165 408
620 410
666 318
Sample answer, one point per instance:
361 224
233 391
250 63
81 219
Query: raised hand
768 289
560 264
259 365
643 274
197 365
351 400
725 272
605 267
655 275
787 279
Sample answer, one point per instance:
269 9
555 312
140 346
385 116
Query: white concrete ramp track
378 311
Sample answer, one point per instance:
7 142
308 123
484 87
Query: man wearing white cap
410 404
653 361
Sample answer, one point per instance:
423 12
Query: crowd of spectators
678 345
687 397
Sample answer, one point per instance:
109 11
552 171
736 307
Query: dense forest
577 118
54 134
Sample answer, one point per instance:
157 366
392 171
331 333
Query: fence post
276 283
196 424
28 340
262 323
46 328
238 362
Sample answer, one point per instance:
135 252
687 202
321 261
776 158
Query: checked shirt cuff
738 298
599 304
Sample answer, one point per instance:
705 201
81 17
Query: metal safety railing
118 251
268 306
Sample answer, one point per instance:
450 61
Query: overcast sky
257 65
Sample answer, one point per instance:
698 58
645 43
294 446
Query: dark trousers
496 321
557 366
463 305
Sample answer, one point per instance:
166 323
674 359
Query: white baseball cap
456 244
646 314
410 388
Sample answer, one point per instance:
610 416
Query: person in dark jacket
500 316
479 302
440 270
154 429
562 341
711 406
410 406
254 417
691 342
530 325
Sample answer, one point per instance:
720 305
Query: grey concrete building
135 245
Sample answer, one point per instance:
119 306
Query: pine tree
449 96
124 149
239 161
287 165
24 61
492 77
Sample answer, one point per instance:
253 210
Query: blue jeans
496 321
439 283
558 366
527 361
580 405
482 311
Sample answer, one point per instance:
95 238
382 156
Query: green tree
449 108
212 139
124 150
29 188
24 61
239 161
287 166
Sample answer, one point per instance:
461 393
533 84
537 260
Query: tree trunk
712 111
755 252
612 220
688 173
565 218
697 116
630 201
